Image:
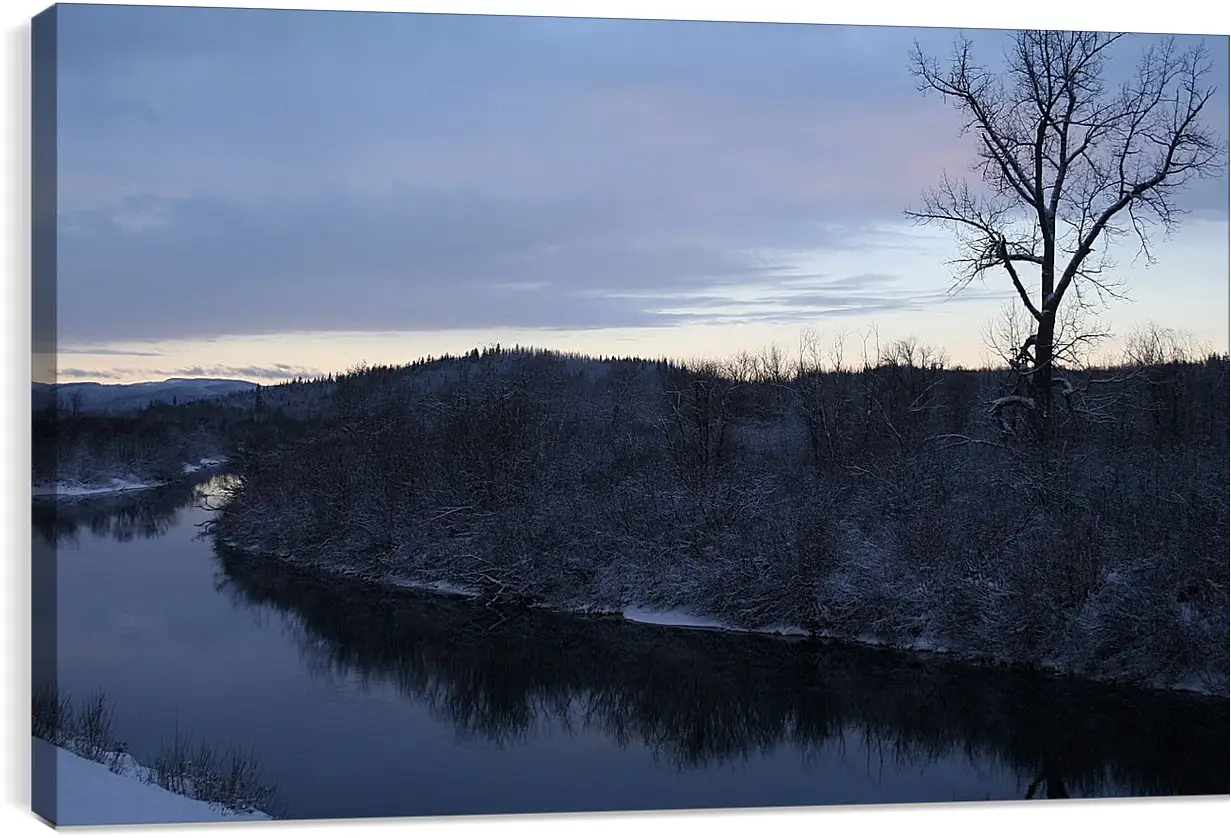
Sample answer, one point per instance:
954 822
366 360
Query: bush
231 778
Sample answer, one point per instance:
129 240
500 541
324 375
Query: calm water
364 703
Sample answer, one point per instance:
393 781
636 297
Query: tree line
882 500
152 444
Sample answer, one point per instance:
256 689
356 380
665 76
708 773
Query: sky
263 194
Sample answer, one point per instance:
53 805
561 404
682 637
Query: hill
91 396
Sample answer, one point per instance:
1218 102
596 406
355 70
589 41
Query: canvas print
460 414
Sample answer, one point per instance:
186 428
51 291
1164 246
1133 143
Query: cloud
85 350
105 375
275 371
806 300
272 372
252 171
414 260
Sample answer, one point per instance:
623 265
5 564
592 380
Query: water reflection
146 514
700 699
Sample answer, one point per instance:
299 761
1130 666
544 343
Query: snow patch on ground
89 794
786 631
675 619
204 462
680 619
436 587
1192 684
75 489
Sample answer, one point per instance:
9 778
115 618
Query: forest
151 445
897 501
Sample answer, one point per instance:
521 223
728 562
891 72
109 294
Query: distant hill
117 398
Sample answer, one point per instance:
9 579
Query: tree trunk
1044 349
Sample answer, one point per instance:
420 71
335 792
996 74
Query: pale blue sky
242 189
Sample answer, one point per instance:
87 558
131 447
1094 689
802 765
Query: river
366 703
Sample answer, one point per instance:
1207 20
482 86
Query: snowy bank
77 489
88 793
203 463
680 619
71 489
675 618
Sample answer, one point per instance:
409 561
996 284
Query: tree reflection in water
701 698
149 513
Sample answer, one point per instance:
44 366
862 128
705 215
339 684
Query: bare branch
1068 166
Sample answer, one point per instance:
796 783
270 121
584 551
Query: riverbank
72 490
706 697
696 620
88 793
219 785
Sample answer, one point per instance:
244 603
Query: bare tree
1068 165
1152 345
1075 335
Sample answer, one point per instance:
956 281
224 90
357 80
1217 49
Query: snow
447 588
1192 683
680 619
204 462
69 489
88 793
675 619
75 489
436 587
